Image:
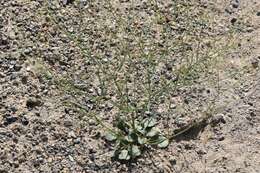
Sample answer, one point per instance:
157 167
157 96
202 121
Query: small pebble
233 20
219 118
255 63
172 161
71 158
68 123
173 106
10 120
33 102
71 134
77 141
66 2
221 138
235 5
24 121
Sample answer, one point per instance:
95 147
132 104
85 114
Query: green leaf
164 142
124 155
150 122
124 141
122 125
153 132
116 153
134 135
142 140
137 123
140 129
48 75
110 136
135 151
129 138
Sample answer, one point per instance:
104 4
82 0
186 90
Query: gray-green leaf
129 138
142 140
164 142
110 136
140 129
153 132
124 155
136 151
150 122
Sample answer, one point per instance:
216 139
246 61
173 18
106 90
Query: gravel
39 134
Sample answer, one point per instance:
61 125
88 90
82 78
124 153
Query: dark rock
68 123
201 152
77 141
91 151
249 118
189 146
37 114
255 62
13 109
66 2
168 67
250 104
44 138
67 111
36 163
186 101
252 114
219 118
92 157
172 161
3 41
17 67
33 102
221 138
24 79
15 140
235 5
15 164
233 20
258 13
24 121
10 120
13 76
228 11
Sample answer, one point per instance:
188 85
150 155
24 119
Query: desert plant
134 71
132 139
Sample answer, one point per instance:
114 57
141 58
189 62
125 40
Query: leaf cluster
133 138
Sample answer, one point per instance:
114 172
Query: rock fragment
33 102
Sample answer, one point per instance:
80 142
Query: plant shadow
192 133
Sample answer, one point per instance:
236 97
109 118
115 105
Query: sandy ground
38 134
